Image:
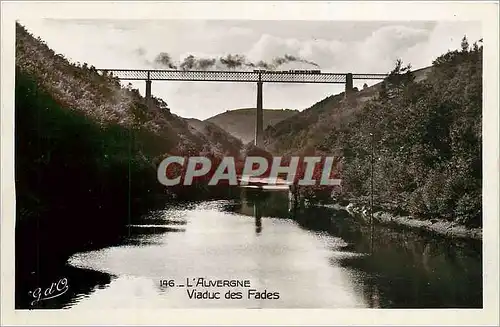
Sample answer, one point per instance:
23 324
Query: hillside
222 140
86 156
423 129
102 99
241 122
304 131
72 120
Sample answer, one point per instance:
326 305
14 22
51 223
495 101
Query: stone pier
148 94
259 122
348 85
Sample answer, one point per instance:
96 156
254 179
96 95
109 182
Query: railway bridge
257 76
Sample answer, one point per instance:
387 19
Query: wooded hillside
425 134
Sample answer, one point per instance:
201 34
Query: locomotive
313 71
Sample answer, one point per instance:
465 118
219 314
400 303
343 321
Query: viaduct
257 76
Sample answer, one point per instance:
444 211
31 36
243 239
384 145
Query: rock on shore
441 227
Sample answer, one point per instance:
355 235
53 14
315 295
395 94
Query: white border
486 12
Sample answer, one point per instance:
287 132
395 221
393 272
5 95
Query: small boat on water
264 182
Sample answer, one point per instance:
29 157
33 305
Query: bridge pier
293 197
258 217
259 122
148 94
348 84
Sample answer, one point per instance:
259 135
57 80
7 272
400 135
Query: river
311 258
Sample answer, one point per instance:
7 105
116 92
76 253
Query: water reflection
315 257
408 269
404 269
258 218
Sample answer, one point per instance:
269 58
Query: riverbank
436 226
324 255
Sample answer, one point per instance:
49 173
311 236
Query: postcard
184 162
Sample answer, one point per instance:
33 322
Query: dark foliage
426 140
86 155
425 130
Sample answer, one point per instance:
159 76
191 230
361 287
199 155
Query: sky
335 46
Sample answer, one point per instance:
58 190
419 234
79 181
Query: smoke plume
165 60
233 61
230 61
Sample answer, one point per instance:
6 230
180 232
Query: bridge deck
237 76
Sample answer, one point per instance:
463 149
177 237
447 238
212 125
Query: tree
399 78
161 104
465 44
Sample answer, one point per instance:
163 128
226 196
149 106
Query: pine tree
465 44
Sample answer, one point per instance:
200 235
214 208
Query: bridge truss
259 77
238 76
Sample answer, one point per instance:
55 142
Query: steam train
314 71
